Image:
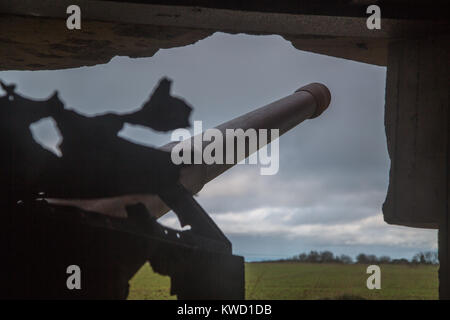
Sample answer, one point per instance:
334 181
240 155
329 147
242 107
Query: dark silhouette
94 159
40 240
22 159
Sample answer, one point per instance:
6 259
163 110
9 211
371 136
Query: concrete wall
417 126
417 122
34 34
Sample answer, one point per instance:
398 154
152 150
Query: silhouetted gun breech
284 114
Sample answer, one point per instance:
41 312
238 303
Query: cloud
283 223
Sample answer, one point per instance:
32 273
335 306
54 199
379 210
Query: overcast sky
334 169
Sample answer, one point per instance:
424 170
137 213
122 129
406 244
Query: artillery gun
109 230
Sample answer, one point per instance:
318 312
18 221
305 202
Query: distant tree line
428 257
322 257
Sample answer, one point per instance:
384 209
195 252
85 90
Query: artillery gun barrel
284 114
305 103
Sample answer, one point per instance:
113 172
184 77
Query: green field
311 281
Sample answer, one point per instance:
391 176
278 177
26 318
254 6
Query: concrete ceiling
34 34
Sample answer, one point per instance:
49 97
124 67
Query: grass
148 285
298 281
